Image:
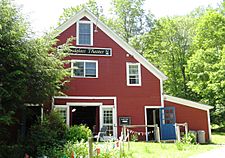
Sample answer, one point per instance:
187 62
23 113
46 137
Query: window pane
78 69
84 69
133 69
62 112
90 73
78 65
84 39
90 65
84 28
133 74
90 69
78 72
84 33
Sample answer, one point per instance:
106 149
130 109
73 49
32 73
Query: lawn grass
218 137
170 150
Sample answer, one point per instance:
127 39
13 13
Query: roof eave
187 102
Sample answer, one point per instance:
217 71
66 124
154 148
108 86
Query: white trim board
83 97
113 36
114 106
83 104
128 73
145 108
187 103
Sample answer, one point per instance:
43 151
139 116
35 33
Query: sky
44 14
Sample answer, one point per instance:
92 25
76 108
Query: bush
11 151
48 136
190 138
134 137
78 133
80 149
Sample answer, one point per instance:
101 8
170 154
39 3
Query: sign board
124 121
91 51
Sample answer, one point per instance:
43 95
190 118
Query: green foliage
69 12
48 136
167 46
186 142
80 149
31 69
190 138
130 19
12 151
134 137
206 66
78 133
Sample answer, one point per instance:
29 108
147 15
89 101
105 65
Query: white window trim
67 112
72 61
139 73
77 32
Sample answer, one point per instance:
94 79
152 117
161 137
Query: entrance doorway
152 119
86 115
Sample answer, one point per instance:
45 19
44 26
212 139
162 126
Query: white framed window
84 33
84 68
64 112
133 74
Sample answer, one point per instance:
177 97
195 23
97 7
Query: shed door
167 123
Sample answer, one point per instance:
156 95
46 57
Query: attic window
133 74
84 33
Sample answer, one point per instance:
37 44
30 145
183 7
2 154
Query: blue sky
44 14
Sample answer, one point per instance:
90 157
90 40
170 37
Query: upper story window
133 74
84 33
84 68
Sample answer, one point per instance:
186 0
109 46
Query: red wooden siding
197 119
111 79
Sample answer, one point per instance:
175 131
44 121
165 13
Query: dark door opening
85 115
152 119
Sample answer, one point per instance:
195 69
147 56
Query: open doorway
86 115
152 119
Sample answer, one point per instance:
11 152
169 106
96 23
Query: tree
31 69
206 66
69 12
130 19
167 46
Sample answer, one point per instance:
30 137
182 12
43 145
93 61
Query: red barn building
112 84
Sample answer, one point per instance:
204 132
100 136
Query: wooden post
90 147
178 133
157 135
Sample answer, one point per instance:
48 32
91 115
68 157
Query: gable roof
113 36
187 102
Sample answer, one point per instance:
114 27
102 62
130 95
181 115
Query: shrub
134 137
11 151
78 133
48 136
80 149
190 138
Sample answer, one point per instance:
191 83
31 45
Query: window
133 74
84 33
63 112
84 68
108 120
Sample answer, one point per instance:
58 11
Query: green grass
218 137
170 150
165 150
